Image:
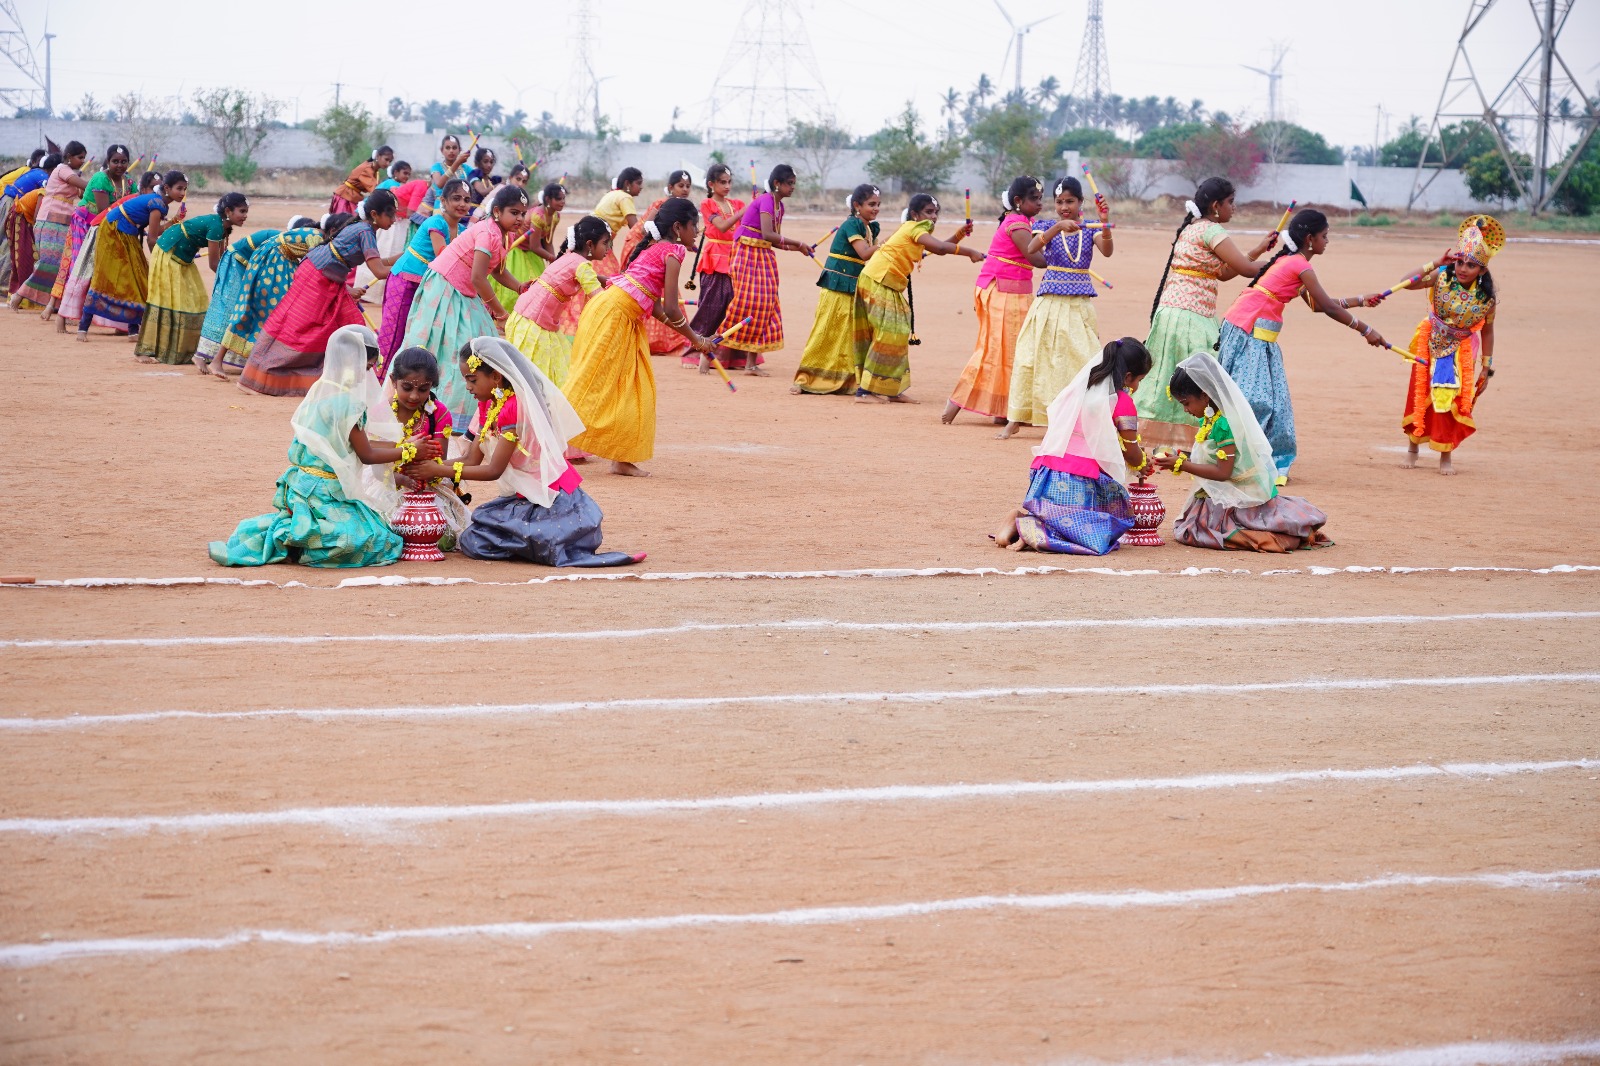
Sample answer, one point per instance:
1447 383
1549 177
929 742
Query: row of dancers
1031 346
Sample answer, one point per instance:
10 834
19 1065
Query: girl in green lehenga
325 512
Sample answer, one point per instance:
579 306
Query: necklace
1206 425
490 420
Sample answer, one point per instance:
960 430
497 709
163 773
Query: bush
239 170
902 153
1006 140
350 132
1090 141
1374 220
677 136
1488 177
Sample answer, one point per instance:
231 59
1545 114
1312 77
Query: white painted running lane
38 954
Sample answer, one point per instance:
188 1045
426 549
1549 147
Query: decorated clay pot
420 524
1148 511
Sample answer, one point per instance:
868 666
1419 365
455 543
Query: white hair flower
1193 208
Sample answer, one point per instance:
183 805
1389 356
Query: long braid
911 301
1209 192
1167 266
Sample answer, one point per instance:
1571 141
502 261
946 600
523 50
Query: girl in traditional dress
1183 318
400 291
106 186
883 359
535 325
1458 330
175 310
663 340
9 193
520 257
287 359
1003 294
1249 349
326 512
398 173
119 289
1062 333
52 227
481 179
20 226
347 198
1077 501
721 214
521 426
1235 504
755 277
618 211
266 282
543 222
225 292
611 384
455 303
828 364
410 410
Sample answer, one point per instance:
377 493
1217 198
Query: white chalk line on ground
809 625
372 818
399 580
18 955
1488 1053
680 703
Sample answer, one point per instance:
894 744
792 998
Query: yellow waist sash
551 289
314 472
1186 272
1266 330
846 258
755 242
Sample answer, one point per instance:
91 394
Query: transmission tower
14 46
1091 86
769 70
583 85
1525 112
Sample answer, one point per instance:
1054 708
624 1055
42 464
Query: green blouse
100 182
842 267
184 240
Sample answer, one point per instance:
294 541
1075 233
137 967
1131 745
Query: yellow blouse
614 208
890 266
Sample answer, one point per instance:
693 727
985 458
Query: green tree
1284 142
901 153
677 136
1089 140
1580 193
1406 149
1008 140
1164 142
238 122
817 145
1488 177
350 131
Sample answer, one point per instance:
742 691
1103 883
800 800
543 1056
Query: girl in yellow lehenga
828 364
611 385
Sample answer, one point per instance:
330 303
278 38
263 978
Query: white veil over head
1255 475
334 406
1088 406
545 423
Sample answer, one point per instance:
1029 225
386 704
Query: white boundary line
679 703
1495 1053
818 624
370 818
397 580
19 955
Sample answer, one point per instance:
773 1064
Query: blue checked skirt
1257 367
1074 515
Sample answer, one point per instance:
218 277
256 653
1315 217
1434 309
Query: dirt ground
1066 882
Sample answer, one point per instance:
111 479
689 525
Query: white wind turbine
1018 33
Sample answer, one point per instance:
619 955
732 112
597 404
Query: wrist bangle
456 469
1177 464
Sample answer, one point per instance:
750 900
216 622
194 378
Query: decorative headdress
1480 239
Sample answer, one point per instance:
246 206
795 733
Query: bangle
408 453
1177 464
456 469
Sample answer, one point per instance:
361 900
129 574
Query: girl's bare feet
1410 461
1445 466
1007 533
133 338
795 390
83 336
951 409
201 363
217 370
61 325
628 470
15 303
871 397
1008 432
752 370
145 358
902 398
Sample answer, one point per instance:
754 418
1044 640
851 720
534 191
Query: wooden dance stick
516 146
755 186
1386 293
717 340
1406 354
1284 221
1101 280
1100 201
969 206
152 164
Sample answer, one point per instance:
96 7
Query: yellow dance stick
1284 221
969 205
1405 354
718 339
1101 280
152 164
517 147
1100 201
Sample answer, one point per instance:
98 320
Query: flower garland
491 420
408 448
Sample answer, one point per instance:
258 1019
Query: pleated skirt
1282 524
828 364
287 359
986 381
1060 337
610 384
49 246
121 279
175 312
883 350
1175 335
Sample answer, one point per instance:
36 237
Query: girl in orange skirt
1003 293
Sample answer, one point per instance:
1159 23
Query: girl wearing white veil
1235 504
521 431
326 512
1077 500
408 400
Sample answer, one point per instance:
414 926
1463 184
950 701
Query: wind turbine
1274 79
1018 33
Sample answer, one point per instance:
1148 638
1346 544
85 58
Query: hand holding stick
717 340
1100 201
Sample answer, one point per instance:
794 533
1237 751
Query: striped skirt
755 295
5 241
266 282
986 381
77 230
175 312
883 350
287 360
121 280
399 292
19 232
224 295
611 385
1074 515
829 361
442 319
49 246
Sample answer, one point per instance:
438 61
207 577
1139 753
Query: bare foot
61 325
902 398
83 336
628 470
1009 432
240 386
871 397
1007 532
201 363
951 409
997 421
756 371
796 390
217 370
1410 461
1017 546
705 364
1445 466
133 338
146 358
15 302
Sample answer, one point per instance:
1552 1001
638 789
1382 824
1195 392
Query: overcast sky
1345 60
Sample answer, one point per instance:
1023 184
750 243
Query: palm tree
949 107
1197 111
492 113
985 89
1049 88
1171 111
